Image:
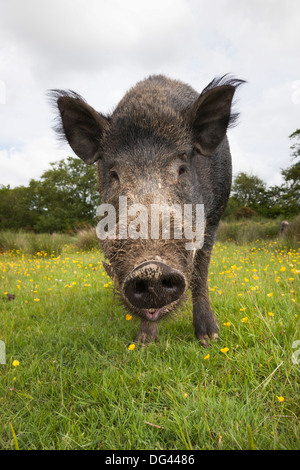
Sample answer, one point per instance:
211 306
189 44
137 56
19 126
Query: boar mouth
152 314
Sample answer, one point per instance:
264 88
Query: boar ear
211 115
79 124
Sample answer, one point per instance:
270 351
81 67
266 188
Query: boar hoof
206 328
204 339
147 333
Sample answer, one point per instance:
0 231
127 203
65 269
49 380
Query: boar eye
182 170
114 175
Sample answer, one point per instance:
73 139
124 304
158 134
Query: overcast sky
100 48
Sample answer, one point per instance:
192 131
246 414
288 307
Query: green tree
249 190
65 196
290 190
285 199
232 207
295 147
15 208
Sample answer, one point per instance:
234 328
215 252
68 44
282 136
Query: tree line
66 196
250 195
64 199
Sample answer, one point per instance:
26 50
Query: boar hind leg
204 321
148 332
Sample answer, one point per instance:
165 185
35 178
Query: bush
248 231
245 213
33 243
232 207
86 239
48 244
291 238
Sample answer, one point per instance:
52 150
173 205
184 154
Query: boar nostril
153 285
167 284
140 287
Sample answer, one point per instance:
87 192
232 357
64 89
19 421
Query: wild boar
163 144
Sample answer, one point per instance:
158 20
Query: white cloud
246 160
19 165
95 34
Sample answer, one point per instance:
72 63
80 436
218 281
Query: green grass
78 386
241 232
248 231
258 228
32 243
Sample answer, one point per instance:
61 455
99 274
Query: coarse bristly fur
163 143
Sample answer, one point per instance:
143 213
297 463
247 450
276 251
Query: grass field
73 378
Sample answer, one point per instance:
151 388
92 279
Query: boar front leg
204 321
148 332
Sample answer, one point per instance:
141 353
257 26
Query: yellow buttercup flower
15 363
224 350
281 399
131 347
206 357
128 316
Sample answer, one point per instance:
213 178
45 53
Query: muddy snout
153 284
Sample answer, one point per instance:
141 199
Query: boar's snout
153 285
